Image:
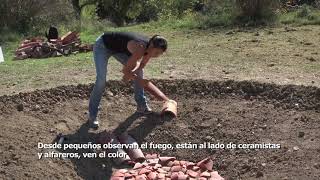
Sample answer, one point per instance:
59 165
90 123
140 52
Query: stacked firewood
38 47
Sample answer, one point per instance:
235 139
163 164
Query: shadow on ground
101 168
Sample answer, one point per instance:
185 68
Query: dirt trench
209 111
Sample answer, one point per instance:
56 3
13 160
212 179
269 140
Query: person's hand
127 77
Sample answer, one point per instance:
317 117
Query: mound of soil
215 112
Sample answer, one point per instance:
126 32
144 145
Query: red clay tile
190 165
152 175
138 166
144 171
184 170
128 175
161 176
122 170
117 178
205 174
182 163
192 173
176 163
153 161
132 171
161 170
206 164
174 175
166 168
118 174
149 167
182 177
141 177
157 166
170 163
176 168
195 168
164 160
132 178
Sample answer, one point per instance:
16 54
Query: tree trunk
77 8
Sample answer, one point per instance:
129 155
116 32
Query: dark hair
158 42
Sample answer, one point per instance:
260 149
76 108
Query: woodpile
38 47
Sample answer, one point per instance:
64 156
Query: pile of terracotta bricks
38 47
165 168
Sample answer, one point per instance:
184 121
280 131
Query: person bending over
134 51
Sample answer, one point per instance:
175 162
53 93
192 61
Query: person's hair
158 42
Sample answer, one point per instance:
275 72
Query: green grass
192 53
304 16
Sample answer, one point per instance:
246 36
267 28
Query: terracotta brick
176 163
206 164
165 160
205 174
161 176
161 170
144 171
195 168
128 175
152 175
182 177
138 166
117 178
176 168
141 177
174 175
166 168
192 173
118 174
122 170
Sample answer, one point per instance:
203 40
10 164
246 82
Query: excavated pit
208 111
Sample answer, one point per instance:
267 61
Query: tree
79 5
119 11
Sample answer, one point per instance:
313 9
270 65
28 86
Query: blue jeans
101 57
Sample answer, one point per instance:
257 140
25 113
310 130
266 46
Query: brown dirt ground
229 111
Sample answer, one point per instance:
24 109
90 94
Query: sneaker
144 110
94 122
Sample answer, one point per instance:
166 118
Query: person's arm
134 61
142 63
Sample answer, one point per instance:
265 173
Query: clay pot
134 153
107 137
119 160
170 108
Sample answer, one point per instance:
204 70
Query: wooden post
1 55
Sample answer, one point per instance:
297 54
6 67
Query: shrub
305 11
256 11
33 16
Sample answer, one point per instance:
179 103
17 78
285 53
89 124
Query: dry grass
280 55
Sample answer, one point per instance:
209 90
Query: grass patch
306 15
